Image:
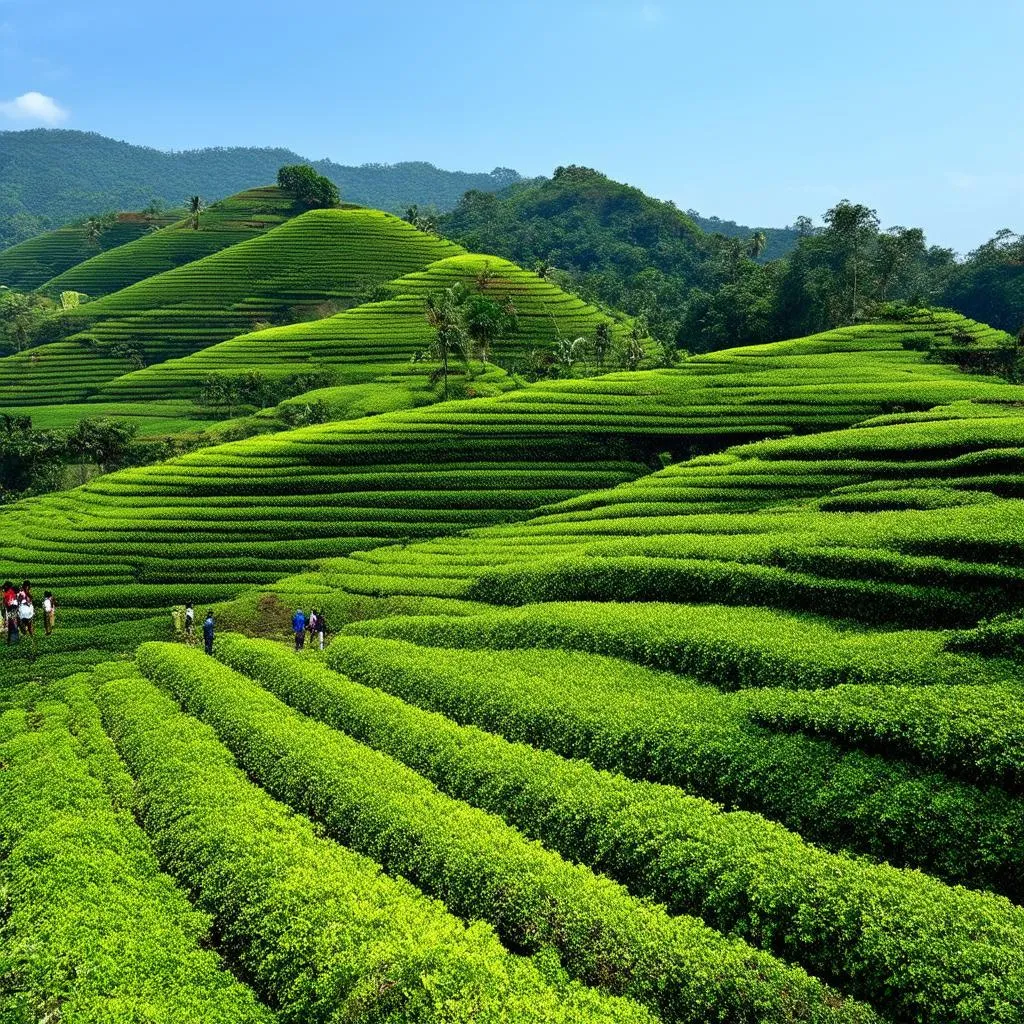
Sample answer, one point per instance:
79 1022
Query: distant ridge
51 176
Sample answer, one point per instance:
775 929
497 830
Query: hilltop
613 242
130 247
52 176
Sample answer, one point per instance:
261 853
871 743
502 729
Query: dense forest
49 177
617 246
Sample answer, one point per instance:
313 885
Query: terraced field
32 263
653 696
232 220
300 270
359 344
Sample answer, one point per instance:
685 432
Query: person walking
49 611
208 632
10 597
311 626
321 628
11 615
26 615
299 628
190 623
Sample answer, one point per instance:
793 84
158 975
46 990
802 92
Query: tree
545 271
307 186
93 230
602 342
756 245
194 206
102 441
444 314
568 353
217 389
803 226
850 222
635 351
25 318
486 321
484 277
133 351
897 249
253 388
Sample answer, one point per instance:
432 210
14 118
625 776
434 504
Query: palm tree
757 244
93 230
444 314
634 352
194 205
569 353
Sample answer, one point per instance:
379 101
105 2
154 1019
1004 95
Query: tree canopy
308 187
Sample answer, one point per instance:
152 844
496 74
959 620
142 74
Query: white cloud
33 106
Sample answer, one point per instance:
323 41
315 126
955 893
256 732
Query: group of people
315 626
20 611
186 623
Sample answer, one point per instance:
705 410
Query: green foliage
712 291
973 731
309 188
888 933
92 929
663 728
481 867
320 931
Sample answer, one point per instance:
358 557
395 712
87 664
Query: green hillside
53 176
358 344
232 220
614 243
708 716
302 269
431 471
36 260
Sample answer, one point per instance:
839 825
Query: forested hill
705 283
614 242
49 177
779 242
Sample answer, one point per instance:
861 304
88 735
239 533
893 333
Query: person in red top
10 595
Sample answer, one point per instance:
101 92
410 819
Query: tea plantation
687 694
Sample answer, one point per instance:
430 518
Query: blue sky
752 111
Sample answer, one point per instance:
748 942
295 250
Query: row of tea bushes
31 263
484 869
91 929
318 929
656 726
973 731
916 948
227 222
